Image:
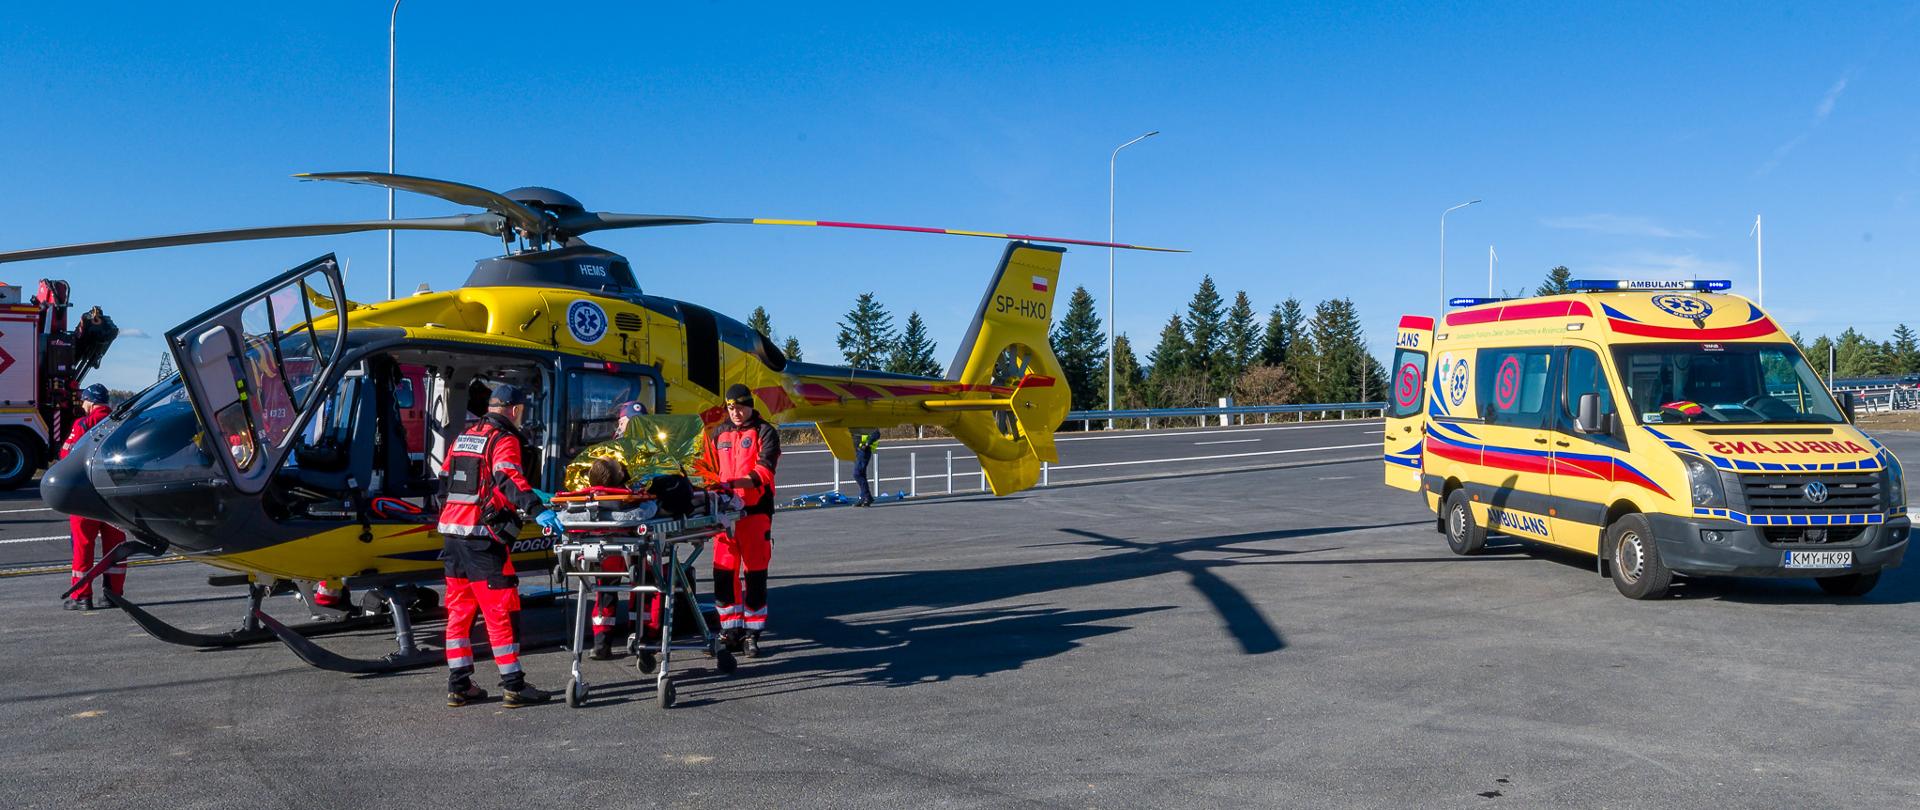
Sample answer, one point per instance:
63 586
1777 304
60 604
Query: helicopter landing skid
407 654
174 634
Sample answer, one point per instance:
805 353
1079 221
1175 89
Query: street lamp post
1111 160
392 20
1443 250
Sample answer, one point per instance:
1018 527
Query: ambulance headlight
1896 485
1704 482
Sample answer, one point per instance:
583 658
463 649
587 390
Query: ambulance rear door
1403 446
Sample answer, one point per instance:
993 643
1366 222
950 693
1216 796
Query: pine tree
913 353
1856 356
1905 351
1127 375
1283 328
1205 327
792 349
867 337
1241 343
760 322
1174 352
1556 282
1818 353
1082 350
1342 365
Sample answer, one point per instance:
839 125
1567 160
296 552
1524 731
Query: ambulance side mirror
1587 418
1846 404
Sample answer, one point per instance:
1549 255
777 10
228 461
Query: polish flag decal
1040 283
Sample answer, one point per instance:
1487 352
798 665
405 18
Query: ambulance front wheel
1464 535
1638 572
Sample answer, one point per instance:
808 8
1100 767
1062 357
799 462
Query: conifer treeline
1216 349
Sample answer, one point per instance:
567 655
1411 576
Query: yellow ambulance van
1663 427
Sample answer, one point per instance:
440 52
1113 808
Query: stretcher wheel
646 661
665 688
576 694
727 662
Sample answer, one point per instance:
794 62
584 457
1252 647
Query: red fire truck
42 363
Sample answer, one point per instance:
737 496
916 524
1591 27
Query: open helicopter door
252 365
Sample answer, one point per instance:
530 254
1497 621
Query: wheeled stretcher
659 555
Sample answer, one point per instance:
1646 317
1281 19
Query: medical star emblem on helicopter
303 437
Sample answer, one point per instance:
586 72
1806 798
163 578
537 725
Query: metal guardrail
1086 418
1241 411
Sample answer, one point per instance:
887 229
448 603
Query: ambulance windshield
1723 382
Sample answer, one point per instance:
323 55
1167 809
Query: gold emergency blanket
652 445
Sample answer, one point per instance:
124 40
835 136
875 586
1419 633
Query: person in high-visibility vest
485 494
864 443
742 452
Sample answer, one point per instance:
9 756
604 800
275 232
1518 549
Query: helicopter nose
65 487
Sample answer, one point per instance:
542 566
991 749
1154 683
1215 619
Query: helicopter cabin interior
384 428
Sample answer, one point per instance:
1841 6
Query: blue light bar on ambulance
1474 302
1601 285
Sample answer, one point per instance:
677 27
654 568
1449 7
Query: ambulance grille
1814 536
1777 494
628 322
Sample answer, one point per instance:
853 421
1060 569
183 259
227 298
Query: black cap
738 394
507 394
94 393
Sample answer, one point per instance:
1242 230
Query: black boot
602 647
471 694
526 695
751 644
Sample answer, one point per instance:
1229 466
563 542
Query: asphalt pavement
1294 636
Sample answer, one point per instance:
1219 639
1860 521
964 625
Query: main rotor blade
476 223
588 222
522 217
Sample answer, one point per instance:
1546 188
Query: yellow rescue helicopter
281 451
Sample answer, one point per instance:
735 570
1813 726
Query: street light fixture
392 20
1443 251
1111 160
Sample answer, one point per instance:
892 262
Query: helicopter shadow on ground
934 629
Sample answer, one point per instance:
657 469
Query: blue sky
1305 152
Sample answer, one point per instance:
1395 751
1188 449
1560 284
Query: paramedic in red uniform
742 451
485 492
85 532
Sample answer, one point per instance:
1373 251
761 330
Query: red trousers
84 533
740 558
498 601
606 605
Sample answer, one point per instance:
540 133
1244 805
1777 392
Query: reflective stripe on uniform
462 662
604 621
459 643
756 619
506 649
506 465
509 668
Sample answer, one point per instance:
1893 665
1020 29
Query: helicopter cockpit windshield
251 363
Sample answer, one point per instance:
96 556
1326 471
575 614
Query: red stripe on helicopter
816 394
774 398
862 392
1760 328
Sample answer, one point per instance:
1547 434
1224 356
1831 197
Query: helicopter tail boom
1008 354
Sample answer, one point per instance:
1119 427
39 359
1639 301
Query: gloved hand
548 520
543 495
